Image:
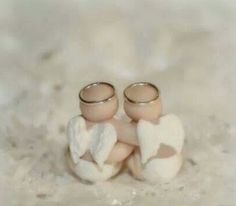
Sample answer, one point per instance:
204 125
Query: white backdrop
49 49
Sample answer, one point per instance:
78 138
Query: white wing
103 139
170 131
148 140
78 137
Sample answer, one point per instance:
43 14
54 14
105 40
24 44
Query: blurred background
49 49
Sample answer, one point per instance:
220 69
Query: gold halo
93 85
141 84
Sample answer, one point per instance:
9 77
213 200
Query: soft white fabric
168 131
99 140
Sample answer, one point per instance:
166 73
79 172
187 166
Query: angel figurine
158 139
95 154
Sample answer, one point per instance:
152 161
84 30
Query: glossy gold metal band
141 84
94 85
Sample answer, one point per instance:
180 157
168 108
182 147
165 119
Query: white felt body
170 132
91 172
99 141
156 169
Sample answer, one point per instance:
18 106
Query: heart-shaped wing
170 131
148 140
103 139
78 137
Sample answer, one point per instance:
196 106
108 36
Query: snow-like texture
49 49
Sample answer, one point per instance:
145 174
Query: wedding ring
142 102
100 101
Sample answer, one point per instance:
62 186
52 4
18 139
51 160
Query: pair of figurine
150 145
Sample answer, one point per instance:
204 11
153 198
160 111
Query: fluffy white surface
49 49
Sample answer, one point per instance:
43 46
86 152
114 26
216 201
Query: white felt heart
170 131
148 140
78 136
103 139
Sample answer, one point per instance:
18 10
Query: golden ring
93 85
141 84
